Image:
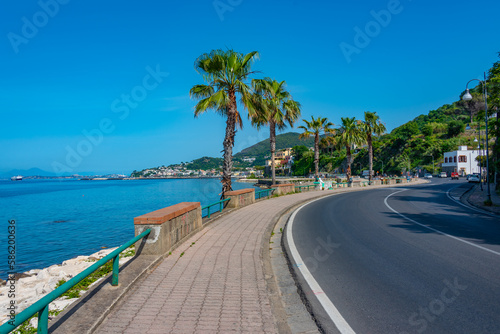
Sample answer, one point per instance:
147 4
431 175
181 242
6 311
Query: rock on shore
37 283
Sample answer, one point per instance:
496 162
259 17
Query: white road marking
327 304
457 200
433 229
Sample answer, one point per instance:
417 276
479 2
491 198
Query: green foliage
455 128
285 140
25 327
303 160
205 163
84 284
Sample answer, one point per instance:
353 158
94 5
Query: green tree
371 126
350 134
272 105
303 160
315 128
494 106
455 128
225 73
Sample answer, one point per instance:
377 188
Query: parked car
428 176
454 176
443 174
474 178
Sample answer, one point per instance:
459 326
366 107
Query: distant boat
17 178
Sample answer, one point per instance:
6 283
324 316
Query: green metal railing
42 306
219 203
260 192
306 186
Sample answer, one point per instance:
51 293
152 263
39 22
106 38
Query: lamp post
468 97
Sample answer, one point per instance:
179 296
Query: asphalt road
429 265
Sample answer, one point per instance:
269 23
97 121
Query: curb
464 198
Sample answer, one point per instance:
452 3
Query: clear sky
103 86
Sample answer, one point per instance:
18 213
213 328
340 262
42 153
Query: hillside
261 150
414 144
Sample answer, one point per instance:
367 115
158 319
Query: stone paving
213 283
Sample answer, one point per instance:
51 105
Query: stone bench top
160 216
239 192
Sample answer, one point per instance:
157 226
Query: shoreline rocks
36 283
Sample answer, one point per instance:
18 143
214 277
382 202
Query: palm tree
371 126
225 72
350 135
314 128
272 105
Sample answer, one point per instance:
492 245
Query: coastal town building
281 158
463 161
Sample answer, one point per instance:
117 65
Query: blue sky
104 86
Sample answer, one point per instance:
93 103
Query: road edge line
325 302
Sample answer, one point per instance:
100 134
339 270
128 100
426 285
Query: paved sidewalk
212 283
476 197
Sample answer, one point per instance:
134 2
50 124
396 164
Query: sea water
56 220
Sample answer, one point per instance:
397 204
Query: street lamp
467 97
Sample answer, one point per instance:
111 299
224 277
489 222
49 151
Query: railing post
43 320
208 210
116 269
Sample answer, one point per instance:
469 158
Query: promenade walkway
214 282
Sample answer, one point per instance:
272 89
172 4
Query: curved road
400 260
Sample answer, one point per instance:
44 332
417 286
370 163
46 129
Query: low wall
240 198
282 189
169 227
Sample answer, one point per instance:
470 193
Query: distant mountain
27 172
285 140
40 172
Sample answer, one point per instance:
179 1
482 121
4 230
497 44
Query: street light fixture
467 97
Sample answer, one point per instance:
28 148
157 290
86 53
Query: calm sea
59 219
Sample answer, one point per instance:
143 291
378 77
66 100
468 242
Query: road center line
327 304
433 229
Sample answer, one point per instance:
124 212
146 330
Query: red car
454 176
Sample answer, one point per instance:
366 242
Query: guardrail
42 306
263 191
306 186
221 206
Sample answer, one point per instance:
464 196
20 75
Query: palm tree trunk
316 155
228 145
272 140
370 158
348 153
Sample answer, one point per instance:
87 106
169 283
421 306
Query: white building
462 161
